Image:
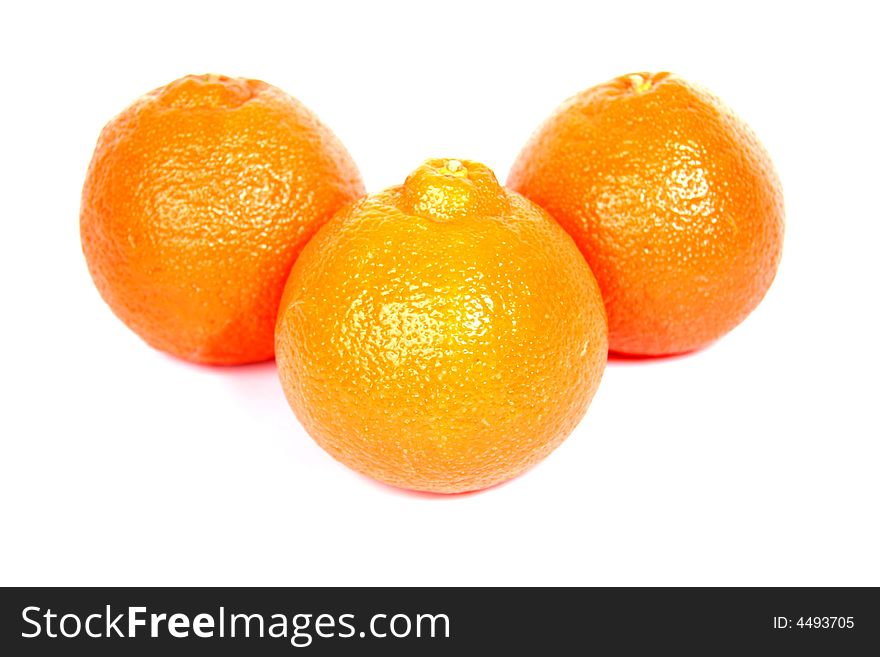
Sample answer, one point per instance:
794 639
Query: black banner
446 621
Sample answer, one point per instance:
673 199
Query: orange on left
197 202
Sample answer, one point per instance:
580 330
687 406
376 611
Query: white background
754 461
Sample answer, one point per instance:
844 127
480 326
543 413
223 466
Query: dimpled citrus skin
443 335
197 201
672 201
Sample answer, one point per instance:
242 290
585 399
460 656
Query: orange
197 201
443 335
672 201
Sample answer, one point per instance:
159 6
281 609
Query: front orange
443 335
198 199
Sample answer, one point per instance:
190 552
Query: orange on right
672 200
